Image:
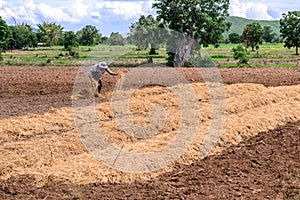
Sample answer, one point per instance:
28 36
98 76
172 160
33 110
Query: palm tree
50 32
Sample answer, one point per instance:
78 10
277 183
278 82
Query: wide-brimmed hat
102 64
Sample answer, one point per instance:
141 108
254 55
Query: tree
235 38
241 54
22 36
50 32
199 21
253 35
268 35
98 39
278 39
146 32
290 29
104 39
5 34
87 35
70 40
116 39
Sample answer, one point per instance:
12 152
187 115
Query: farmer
95 74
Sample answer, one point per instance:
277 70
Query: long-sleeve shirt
97 71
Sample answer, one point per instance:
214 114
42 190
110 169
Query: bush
218 56
170 59
152 52
74 54
241 53
200 62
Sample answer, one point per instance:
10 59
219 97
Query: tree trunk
297 50
179 61
183 52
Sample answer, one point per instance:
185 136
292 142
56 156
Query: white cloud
31 12
26 12
2 3
116 15
29 4
95 18
258 11
20 13
252 10
147 7
126 10
5 12
56 14
79 8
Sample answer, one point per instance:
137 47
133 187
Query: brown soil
41 156
37 89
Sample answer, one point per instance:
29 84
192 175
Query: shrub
74 54
170 59
152 52
200 62
218 56
241 53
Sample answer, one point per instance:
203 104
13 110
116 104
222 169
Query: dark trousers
99 85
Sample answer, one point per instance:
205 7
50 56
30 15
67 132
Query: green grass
269 55
60 57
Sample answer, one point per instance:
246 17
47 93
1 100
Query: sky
116 16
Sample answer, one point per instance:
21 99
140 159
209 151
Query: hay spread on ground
49 148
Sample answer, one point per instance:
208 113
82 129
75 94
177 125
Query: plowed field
257 155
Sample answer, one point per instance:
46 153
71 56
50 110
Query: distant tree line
50 34
253 34
265 33
200 23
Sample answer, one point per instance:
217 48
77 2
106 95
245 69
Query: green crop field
268 55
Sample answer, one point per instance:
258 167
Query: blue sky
116 16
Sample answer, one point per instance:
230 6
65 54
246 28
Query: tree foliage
290 29
22 36
116 39
70 40
235 38
50 32
104 39
146 33
241 54
268 35
5 35
201 21
87 35
98 39
253 35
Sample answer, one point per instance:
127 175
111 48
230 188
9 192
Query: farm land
268 55
257 156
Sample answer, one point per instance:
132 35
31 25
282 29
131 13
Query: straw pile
48 146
